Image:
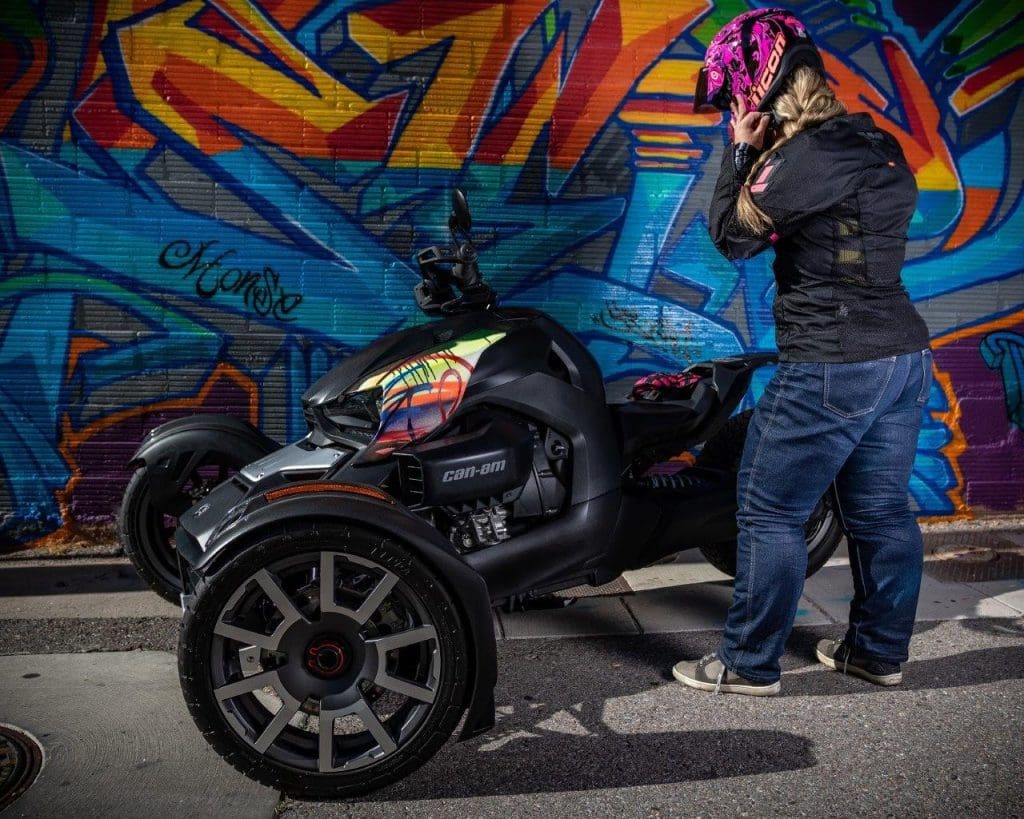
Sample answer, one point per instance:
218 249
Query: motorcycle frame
643 526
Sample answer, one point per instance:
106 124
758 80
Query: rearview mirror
460 211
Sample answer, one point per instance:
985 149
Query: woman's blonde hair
806 100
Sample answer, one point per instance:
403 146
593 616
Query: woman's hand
747 126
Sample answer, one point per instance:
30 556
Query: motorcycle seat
666 423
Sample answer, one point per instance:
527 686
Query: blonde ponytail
806 100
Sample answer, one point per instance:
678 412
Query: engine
496 477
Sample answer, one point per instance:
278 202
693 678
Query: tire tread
193 666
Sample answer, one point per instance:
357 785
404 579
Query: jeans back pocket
854 389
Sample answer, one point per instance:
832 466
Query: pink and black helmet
752 56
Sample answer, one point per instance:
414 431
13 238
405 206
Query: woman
833 196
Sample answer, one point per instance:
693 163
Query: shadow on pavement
559 730
553 735
978 667
102 576
555 762
1001 626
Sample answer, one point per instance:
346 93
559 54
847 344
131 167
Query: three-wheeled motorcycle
337 591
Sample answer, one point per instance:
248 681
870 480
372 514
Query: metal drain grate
21 759
967 557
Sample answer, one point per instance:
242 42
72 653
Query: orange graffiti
195 83
921 140
19 87
622 41
510 141
985 83
71 440
454 106
952 451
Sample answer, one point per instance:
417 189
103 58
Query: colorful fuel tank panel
422 392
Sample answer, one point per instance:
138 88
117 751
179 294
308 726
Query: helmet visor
700 93
701 103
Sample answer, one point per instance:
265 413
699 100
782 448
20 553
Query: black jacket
841 197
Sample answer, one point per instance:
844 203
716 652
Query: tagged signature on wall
675 338
261 291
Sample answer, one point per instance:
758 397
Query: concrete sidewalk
690 595
685 595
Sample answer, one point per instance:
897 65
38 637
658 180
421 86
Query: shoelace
705 661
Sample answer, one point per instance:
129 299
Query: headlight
358 410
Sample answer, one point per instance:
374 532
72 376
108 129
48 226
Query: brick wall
206 205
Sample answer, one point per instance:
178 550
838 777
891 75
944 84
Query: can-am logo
465 472
771 68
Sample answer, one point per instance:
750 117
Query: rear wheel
146 527
822 530
325 660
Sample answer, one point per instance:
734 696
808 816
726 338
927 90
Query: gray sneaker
709 674
837 655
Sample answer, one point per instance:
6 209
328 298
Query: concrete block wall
204 205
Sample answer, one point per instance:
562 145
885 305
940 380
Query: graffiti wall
205 203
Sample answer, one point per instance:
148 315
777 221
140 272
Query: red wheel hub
326 658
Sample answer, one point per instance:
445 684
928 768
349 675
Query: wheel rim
325 662
203 472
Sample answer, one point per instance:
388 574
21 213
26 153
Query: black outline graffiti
623 319
262 292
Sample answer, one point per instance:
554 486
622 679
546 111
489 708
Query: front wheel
145 527
324 660
823 529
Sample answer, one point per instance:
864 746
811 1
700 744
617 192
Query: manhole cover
972 557
21 759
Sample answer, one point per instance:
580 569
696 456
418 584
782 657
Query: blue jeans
856 424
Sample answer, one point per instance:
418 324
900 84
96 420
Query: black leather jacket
841 197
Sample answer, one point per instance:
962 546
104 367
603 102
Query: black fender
370 507
837 507
730 379
168 451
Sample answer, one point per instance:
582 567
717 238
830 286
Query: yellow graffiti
189 80
452 111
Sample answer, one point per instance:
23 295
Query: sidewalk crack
636 622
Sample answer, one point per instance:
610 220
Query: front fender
370 507
168 450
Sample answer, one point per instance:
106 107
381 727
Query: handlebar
444 269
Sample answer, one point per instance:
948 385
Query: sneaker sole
731 688
857 671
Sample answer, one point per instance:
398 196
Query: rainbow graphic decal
421 393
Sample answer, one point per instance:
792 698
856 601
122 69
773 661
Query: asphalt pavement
595 727
589 720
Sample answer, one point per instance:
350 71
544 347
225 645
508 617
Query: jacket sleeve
795 182
729 236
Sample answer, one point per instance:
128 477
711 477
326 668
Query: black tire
824 530
146 531
282 764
